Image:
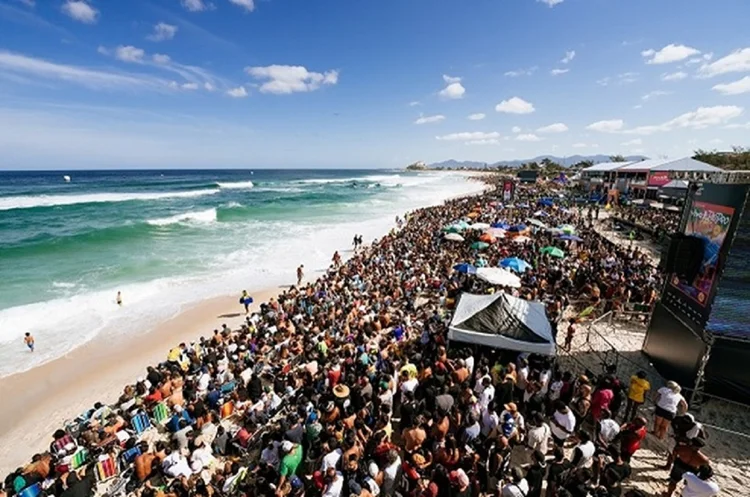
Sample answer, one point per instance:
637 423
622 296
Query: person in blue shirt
179 414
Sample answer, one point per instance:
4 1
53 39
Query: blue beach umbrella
502 226
465 268
517 228
572 238
516 264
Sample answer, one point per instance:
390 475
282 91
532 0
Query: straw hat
341 391
511 407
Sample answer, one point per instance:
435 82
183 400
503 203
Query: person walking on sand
300 274
29 341
246 300
119 298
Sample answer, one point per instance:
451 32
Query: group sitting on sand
347 386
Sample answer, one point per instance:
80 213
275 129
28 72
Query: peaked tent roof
606 166
685 164
504 322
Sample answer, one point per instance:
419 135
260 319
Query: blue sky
337 83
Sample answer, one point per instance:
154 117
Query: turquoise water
167 239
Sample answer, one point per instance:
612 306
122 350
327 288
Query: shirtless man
686 457
29 341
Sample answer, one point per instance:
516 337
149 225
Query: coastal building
641 179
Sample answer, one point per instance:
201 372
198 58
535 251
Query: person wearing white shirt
517 487
334 484
409 385
469 362
539 435
176 465
490 420
488 393
700 485
608 428
332 458
563 423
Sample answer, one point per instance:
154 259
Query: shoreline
38 401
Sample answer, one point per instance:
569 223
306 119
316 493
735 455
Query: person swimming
29 341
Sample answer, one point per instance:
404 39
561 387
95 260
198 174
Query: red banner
659 178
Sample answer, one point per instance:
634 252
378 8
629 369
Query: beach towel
161 413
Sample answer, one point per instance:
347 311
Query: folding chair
79 458
106 468
227 410
161 413
141 423
129 455
62 445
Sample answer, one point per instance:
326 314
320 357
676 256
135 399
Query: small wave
63 284
232 205
326 181
237 185
29 202
203 217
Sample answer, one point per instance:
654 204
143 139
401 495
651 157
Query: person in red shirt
154 396
631 436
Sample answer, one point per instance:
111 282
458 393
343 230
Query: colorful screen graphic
709 222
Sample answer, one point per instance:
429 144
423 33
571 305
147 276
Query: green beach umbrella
568 229
553 251
479 245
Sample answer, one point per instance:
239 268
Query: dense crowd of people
347 386
657 222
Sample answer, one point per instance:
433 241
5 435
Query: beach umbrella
553 251
498 276
547 202
572 238
555 231
472 215
537 223
486 237
496 232
465 268
521 239
454 237
523 206
502 226
540 214
479 226
517 228
516 264
479 245
568 229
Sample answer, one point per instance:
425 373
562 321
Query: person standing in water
300 274
29 341
119 298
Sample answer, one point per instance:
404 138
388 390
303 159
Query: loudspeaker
685 256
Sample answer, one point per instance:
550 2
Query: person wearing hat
669 401
460 483
517 486
289 463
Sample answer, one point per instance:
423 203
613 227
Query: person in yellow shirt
639 385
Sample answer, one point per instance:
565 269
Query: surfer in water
29 341
246 300
119 298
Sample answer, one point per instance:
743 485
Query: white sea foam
63 284
27 202
205 216
238 185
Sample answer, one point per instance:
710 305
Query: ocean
168 239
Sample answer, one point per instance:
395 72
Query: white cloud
528 137
477 117
569 55
632 143
735 87
608 126
521 72
738 126
239 92
414 103
557 72
701 118
654 94
163 31
248 5
429 119
668 54
620 79
553 128
160 58
489 141
91 78
515 105
737 61
697 60
674 76
190 86
580 145
129 53
195 5
551 3
451 79
453 91
80 11
516 129
208 86
281 80
469 136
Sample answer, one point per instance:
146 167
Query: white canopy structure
498 276
501 321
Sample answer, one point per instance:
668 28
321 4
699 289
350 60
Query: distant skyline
94 84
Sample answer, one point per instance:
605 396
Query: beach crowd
348 386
